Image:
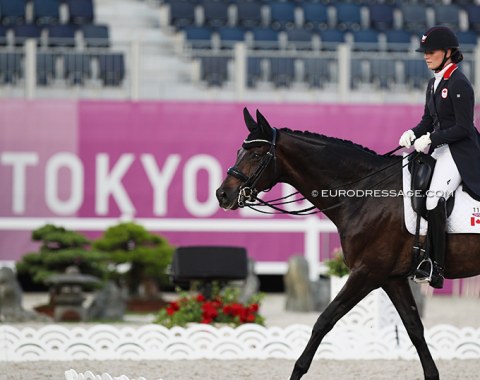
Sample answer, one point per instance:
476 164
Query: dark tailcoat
448 116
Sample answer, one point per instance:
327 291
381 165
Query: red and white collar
447 71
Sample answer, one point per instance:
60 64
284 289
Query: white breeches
446 177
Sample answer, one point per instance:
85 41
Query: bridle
248 192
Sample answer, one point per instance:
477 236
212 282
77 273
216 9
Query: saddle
421 168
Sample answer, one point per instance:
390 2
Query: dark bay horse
376 245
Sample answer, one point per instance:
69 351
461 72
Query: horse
376 244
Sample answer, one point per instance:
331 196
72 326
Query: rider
448 130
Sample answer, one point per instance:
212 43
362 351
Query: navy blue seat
230 35
360 72
331 38
77 68
348 16
111 69
318 71
265 38
473 12
3 35
366 40
417 73
468 40
215 12
45 68
10 67
46 12
12 11
383 73
249 13
315 15
447 15
300 39
199 37
182 14
61 35
254 71
414 17
398 40
381 16
23 32
96 35
282 71
282 15
81 11
214 70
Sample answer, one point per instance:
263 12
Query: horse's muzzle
225 200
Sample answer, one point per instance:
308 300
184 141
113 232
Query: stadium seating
215 13
112 69
12 11
265 38
249 13
230 35
448 15
10 67
330 38
254 71
96 35
348 16
366 40
80 11
397 40
282 71
46 12
61 35
315 15
23 32
414 17
77 68
300 39
198 37
381 16
473 13
282 15
3 35
318 71
45 68
214 70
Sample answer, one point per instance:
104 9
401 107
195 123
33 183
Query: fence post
344 63
30 68
135 70
240 69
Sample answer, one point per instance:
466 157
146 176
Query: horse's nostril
221 194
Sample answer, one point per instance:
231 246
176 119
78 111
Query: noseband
248 192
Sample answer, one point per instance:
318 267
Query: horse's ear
263 123
251 124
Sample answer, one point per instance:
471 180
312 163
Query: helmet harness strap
444 61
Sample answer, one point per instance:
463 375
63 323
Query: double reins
248 193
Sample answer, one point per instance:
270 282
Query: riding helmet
438 38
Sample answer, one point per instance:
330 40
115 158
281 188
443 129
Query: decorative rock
108 304
11 309
298 287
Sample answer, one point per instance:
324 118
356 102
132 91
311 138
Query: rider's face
434 58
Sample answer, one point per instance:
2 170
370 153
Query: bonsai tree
59 249
145 255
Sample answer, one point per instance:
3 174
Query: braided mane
318 136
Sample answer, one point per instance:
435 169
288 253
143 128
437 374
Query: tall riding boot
436 236
437 221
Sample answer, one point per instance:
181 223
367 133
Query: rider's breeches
446 176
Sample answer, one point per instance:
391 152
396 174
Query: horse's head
254 170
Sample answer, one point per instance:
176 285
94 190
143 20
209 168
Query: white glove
407 138
422 142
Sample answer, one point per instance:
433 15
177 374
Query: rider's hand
407 138
422 142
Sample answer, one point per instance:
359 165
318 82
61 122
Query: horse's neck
314 167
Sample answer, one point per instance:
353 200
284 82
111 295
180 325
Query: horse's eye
255 156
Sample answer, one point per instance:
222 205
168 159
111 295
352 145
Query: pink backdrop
116 150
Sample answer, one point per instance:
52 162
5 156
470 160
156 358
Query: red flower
172 308
201 298
209 310
253 307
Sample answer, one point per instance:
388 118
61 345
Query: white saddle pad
464 219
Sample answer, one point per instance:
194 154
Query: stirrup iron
425 279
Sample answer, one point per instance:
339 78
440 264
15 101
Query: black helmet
438 38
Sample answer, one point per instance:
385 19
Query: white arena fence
89 375
250 341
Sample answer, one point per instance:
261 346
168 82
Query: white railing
311 228
342 89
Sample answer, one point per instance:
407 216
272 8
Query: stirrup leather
424 279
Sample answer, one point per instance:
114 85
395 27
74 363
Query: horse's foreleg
355 289
402 298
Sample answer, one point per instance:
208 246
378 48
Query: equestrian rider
448 131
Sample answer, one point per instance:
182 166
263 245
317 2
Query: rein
248 193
